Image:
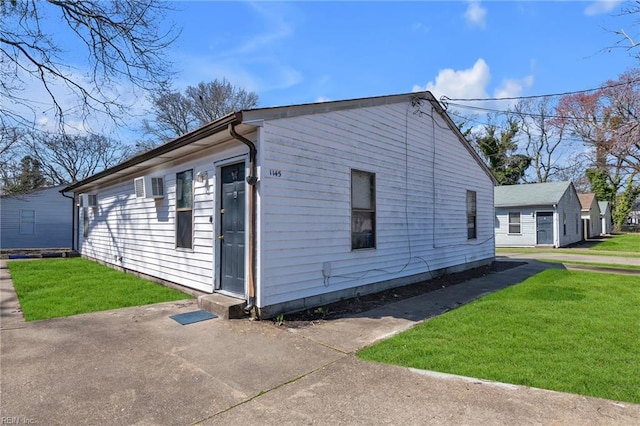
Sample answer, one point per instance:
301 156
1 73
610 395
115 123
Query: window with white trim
515 223
363 210
184 209
27 222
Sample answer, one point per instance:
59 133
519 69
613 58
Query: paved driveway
136 366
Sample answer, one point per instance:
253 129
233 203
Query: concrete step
223 306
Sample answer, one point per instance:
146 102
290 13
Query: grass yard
622 242
568 331
51 288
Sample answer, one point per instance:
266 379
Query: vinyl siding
52 228
139 233
570 204
305 194
422 174
528 236
595 224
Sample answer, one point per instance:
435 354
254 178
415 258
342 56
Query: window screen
27 222
471 215
363 210
514 223
184 209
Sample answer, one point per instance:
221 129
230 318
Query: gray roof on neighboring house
531 194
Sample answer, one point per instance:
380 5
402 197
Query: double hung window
184 209
514 223
363 210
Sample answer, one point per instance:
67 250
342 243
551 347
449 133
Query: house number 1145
275 173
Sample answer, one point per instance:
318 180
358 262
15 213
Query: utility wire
516 98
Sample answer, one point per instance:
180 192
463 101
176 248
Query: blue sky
300 51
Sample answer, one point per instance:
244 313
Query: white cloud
469 83
473 83
511 88
323 99
279 29
601 6
476 15
255 63
252 73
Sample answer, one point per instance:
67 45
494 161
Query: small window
564 223
85 222
514 223
363 210
471 215
184 209
27 222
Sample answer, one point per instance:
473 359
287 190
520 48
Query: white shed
41 219
605 217
296 206
591 221
537 214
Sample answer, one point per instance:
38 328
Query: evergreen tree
500 152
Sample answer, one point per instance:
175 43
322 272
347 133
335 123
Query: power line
444 99
529 114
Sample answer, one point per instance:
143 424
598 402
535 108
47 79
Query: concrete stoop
223 306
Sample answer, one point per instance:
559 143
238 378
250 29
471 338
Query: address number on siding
275 173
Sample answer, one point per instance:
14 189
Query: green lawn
568 331
622 242
51 288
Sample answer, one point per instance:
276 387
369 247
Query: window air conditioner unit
89 200
149 187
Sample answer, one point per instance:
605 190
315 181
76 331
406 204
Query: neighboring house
537 214
591 223
605 217
297 206
634 215
38 220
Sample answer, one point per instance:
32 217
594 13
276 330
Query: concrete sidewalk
138 366
577 256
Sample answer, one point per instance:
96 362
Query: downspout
73 220
252 179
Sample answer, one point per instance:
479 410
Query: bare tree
544 137
217 98
176 113
9 154
69 158
626 39
173 115
122 41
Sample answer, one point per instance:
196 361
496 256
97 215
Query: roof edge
208 129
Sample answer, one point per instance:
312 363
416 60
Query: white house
296 206
634 215
605 217
41 219
537 214
591 222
